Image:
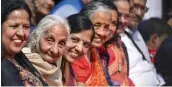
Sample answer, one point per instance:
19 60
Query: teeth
52 56
74 54
18 41
98 39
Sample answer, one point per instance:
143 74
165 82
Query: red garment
117 66
97 77
90 75
130 82
152 53
82 70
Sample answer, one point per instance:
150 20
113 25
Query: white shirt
140 43
141 72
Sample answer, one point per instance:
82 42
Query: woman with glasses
90 64
118 58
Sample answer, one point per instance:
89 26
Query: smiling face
138 9
101 22
124 15
53 43
15 31
78 45
113 24
44 6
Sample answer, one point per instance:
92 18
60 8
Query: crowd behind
84 43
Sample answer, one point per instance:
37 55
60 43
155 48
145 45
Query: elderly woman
16 70
48 42
78 45
118 59
93 75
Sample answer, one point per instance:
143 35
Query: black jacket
10 74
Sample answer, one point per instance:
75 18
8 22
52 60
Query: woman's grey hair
94 7
46 23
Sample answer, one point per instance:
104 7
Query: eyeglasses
142 7
126 16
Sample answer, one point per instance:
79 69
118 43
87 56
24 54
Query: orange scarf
82 69
118 65
97 77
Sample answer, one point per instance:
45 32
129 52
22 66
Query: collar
131 31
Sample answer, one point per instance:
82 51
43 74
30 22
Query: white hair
46 23
94 7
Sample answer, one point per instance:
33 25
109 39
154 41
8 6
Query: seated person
154 31
90 64
48 42
78 44
16 69
163 61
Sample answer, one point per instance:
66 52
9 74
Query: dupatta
117 66
97 77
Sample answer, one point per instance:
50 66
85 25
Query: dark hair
9 5
163 60
79 22
153 25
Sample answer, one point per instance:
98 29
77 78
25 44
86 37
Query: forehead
102 17
18 14
83 35
141 2
57 31
123 6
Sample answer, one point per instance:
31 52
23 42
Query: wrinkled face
78 45
124 16
101 22
138 9
113 24
44 6
15 31
53 43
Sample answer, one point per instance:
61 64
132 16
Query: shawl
117 66
97 77
51 73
